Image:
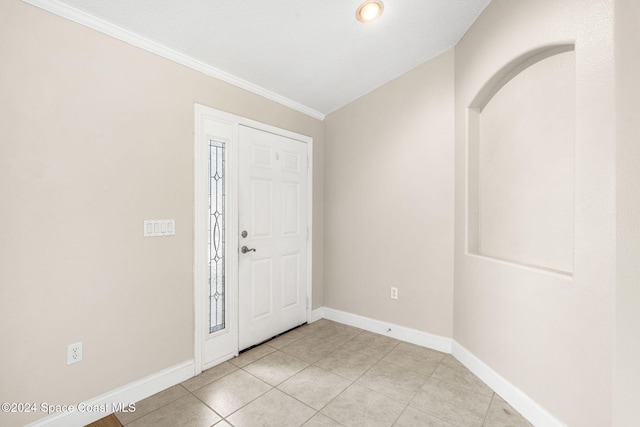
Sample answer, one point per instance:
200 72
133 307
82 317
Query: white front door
273 191
255 178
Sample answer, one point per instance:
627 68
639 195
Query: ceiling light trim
134 39
360 12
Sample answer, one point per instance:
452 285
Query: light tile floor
330 374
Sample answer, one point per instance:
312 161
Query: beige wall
627 366
548 335
525 167
95 137
389 201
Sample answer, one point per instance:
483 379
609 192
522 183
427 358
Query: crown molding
134 39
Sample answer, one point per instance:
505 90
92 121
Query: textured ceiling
314 53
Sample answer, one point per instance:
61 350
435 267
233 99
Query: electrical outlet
74 353
394 293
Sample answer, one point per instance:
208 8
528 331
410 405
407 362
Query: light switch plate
159 227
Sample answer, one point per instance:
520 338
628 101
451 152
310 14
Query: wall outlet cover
74 353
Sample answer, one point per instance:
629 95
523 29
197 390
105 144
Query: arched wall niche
520 162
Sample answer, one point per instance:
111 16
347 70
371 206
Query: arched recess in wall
520 162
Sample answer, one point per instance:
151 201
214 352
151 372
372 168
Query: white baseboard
529 409
130 393
169 377
392 330
522 403
316 314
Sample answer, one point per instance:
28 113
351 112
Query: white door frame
203 115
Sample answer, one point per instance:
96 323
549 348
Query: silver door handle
245 249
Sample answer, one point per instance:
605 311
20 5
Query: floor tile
287 338
209 376
334 340
252 355
272 409
276 367
420 359
185 412
452 403
320 420
339 333
313 327
392 380
359 406
353 377
310 348
151 403
374 345
501 414
412 417
454 372
314 386
230 393
347 363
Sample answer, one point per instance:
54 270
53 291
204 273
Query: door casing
206 119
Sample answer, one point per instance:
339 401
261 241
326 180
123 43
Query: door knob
244 233
245 249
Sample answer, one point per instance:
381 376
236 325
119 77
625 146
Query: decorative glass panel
216 236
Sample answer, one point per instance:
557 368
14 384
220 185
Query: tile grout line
162 406
353 382
486 414
350 382
430 376
276 386
205 403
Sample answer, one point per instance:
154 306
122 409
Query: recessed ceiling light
369 11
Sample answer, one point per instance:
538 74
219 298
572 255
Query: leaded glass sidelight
216 236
